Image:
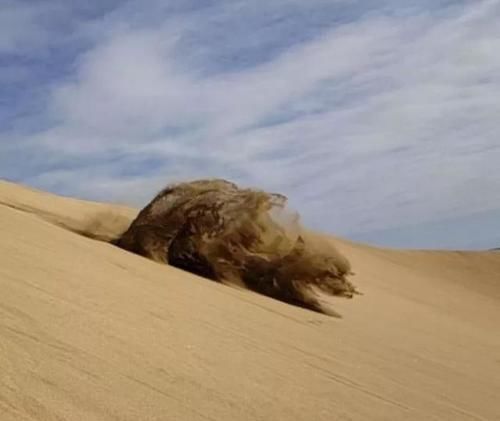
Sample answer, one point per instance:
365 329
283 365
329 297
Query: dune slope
91 332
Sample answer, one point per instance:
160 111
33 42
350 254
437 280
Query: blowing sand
91 332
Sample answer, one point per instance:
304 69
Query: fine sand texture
89 331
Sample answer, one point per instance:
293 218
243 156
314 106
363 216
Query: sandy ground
90 332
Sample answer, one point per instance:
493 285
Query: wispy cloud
368 117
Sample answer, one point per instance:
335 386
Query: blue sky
379 120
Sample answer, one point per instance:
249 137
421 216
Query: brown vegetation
219 231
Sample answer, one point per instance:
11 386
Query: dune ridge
88 331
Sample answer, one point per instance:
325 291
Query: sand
91 332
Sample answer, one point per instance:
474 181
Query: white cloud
378 122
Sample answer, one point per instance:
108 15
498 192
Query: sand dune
91 332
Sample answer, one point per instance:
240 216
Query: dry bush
238 236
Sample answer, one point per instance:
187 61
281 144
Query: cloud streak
368 118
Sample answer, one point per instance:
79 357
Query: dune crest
91 332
